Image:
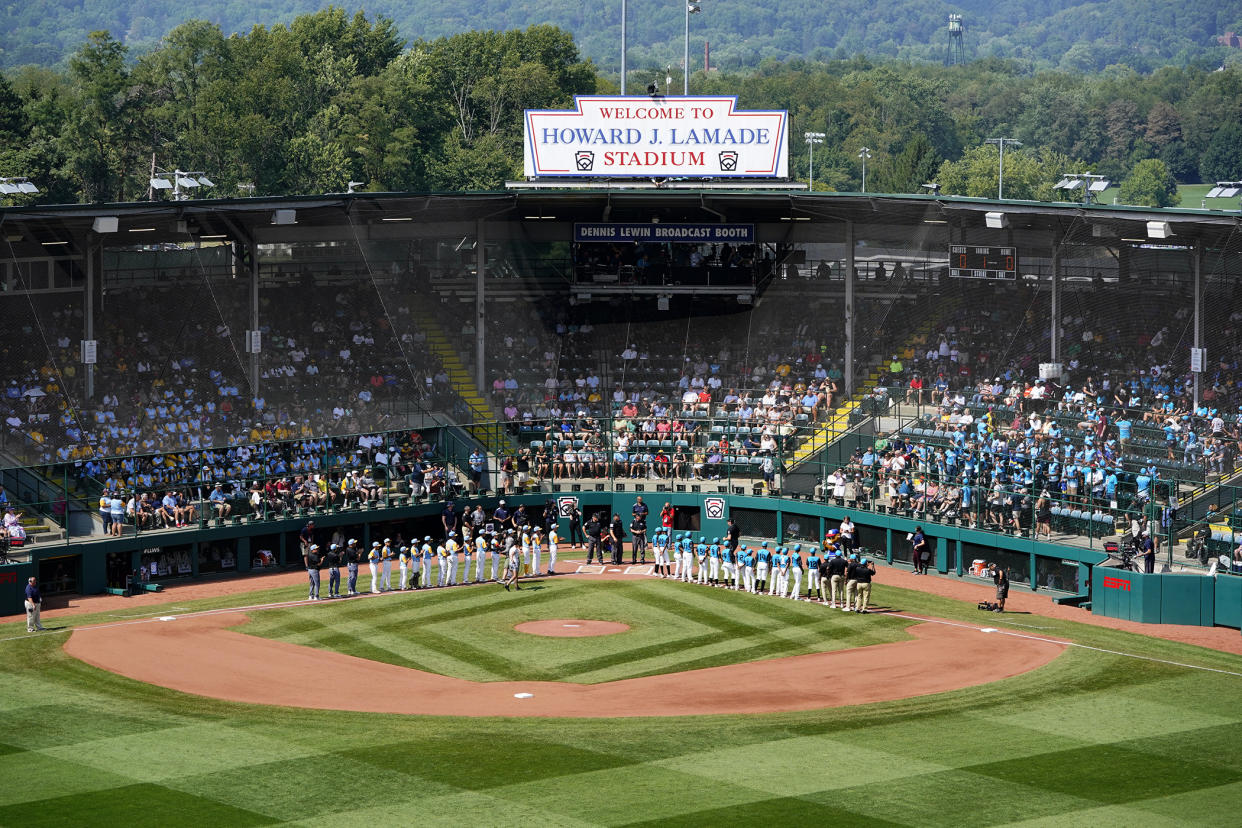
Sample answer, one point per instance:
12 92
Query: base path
201 655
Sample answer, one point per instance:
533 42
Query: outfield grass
1092 738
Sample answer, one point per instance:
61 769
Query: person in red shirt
666 516
915 394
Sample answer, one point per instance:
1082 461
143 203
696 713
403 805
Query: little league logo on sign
633 137
714 508
565 506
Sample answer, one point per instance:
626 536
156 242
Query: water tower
957 47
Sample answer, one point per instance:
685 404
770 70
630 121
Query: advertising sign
634 137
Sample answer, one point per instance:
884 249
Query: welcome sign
632 137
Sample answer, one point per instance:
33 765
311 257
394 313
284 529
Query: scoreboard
983 262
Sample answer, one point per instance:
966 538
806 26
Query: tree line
332 98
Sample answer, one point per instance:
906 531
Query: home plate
523 695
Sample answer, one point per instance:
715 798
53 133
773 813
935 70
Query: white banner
634 137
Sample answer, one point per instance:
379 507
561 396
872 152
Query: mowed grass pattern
468 632
1092 738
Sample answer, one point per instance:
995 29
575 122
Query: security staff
835 570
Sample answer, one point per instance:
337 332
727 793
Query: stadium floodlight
1000 167
812 138
1159 230
18 185
353 185
177 181
864 154
1225 189
996 221
1089 183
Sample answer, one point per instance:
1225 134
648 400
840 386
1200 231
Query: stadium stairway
481 411
832 427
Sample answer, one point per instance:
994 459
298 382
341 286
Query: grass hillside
1072 34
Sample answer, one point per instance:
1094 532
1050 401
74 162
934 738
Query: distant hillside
1083 35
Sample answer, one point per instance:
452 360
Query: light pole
692 7
812 138
178 181
864 154
1000 178
623 16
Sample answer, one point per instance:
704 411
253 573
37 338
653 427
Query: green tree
1149 184
1222 158
1029 175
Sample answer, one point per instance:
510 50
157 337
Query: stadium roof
382 215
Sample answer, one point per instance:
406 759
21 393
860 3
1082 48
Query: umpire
333 561
594 535
352 558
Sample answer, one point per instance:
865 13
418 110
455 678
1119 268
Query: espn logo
1116 583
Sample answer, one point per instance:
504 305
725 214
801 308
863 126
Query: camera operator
1000 576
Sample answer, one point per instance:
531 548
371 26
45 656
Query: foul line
1066 643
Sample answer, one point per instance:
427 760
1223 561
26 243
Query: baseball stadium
586 463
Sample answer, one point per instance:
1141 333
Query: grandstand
261 360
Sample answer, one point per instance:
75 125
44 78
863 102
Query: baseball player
658 548
795 571
851 582
403 568
441 564
780 572
498 549
675 551
713 562
553 540
536 550
812 572
425 553
513 568
700 552
451 548
863 572
748 567
763 560
480 554
726 565
467 551
386 557
373 561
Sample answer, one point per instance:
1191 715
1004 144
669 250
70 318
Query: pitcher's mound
571 628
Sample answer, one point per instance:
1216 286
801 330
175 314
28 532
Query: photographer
1000 576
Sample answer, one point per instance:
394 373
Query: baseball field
1106 728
